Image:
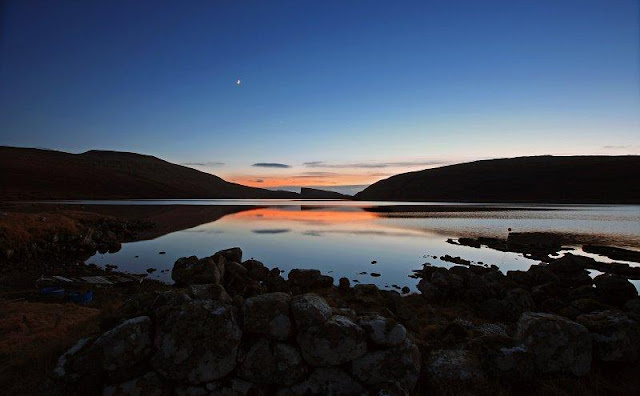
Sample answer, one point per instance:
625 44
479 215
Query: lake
356 239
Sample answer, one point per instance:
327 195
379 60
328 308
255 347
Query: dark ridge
549 179
315 193
30 174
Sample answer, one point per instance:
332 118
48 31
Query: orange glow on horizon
304 181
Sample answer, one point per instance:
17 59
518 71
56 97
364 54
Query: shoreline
446 320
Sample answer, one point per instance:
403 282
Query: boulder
504 357
235 387
325 381
348 312
454 366
191 390
570 270
614 290
632 308
366 293
231 254
268 314
334 342
308 279
383 331
125 345
344 284
546 291
399 364
517 301
197 343
191 270
210 291
616 337
256 270
149 384
276 283
556 344
117 352
269 362
310 309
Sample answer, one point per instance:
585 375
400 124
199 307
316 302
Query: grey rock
269 362
383 331
556 344
149 384
307 279
399 364
452 366
235 387
325 381
231 254
198 343
256 270
616 337
125 345
191 270
334 342
210 291
504 357
268 314
614 290
309 309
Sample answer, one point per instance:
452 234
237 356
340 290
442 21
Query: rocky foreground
233 327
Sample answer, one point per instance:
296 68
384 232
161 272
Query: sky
337 94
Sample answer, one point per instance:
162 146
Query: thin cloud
259 180
371 165
612 147
208 163
270 165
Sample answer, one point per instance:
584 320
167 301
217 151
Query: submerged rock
555 343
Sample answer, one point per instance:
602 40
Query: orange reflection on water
310 215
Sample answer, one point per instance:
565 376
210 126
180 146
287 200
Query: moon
238 82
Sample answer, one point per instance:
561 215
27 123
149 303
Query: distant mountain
27 173
315 193
580 179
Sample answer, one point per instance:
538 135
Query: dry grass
21 228
32 337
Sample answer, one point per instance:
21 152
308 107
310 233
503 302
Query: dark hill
315 193
581 179
27 173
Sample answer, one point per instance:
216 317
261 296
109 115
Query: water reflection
344 240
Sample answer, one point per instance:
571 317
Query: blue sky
344 93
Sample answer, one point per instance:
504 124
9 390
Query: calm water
342 238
